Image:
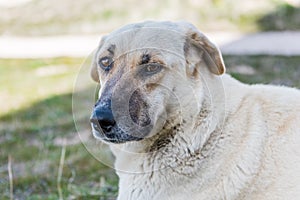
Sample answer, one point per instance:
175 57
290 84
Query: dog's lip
116 140
99 135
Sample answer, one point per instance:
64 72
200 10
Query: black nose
103 118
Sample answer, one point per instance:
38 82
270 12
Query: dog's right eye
151 68
105 63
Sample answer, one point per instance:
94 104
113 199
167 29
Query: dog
180 128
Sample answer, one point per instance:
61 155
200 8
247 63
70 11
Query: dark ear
199 48
94 65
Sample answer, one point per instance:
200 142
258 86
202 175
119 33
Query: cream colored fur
236 141
255 154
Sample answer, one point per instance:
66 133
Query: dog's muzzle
105 126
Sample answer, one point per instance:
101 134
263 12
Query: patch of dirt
27 169
73 139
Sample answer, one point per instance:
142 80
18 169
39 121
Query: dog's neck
179 152
195 131
180 143
191 153
186 142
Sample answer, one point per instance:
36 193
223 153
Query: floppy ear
94 71
199 48
94 65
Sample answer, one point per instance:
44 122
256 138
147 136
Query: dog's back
281 108
266 122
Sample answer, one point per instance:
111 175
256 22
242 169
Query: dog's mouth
116 134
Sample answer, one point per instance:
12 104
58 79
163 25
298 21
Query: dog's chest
161 184
163 177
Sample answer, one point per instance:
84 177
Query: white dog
182 129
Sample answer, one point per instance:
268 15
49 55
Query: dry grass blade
60 170
10 175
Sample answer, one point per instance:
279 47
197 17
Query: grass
41 77
285 17
278 70
94 17
36 115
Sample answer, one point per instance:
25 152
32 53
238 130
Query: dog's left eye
152 68
105 63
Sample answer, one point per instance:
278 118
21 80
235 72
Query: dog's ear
94 71
199 48
94 65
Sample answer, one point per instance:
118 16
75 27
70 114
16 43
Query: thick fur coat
208 135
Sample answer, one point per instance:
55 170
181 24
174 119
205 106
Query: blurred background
44 45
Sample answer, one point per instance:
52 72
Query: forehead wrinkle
111 49
132 40
155 51
129 48
133 58
150 33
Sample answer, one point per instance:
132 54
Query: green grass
36 113
94 17
37 80
277 70
285 17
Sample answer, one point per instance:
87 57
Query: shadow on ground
34 137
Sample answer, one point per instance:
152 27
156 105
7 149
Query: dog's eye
105 63
152 68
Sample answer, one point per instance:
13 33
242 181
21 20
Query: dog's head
149 72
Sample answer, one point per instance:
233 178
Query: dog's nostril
103 119
106 124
